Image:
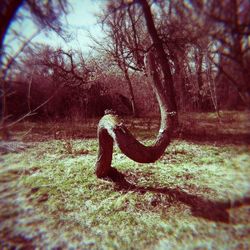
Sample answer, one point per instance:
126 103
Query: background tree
123 42
45 15
230 32
190 34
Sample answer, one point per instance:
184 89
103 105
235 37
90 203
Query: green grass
195 197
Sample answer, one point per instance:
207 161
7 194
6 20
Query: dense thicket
206 42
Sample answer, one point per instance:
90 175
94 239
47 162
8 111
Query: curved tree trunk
111 129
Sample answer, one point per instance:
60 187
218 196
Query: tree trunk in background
122 65
199 61
111 129
131 92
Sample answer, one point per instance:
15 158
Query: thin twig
32 112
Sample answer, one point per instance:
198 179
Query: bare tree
67 67
125 42
111 129
45 15
230 22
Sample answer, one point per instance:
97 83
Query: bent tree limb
111 129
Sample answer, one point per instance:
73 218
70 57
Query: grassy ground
197 196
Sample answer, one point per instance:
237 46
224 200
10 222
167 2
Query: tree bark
111 129
162 57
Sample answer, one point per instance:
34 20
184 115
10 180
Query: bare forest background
65 184
207 44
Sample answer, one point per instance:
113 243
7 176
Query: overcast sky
81 19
